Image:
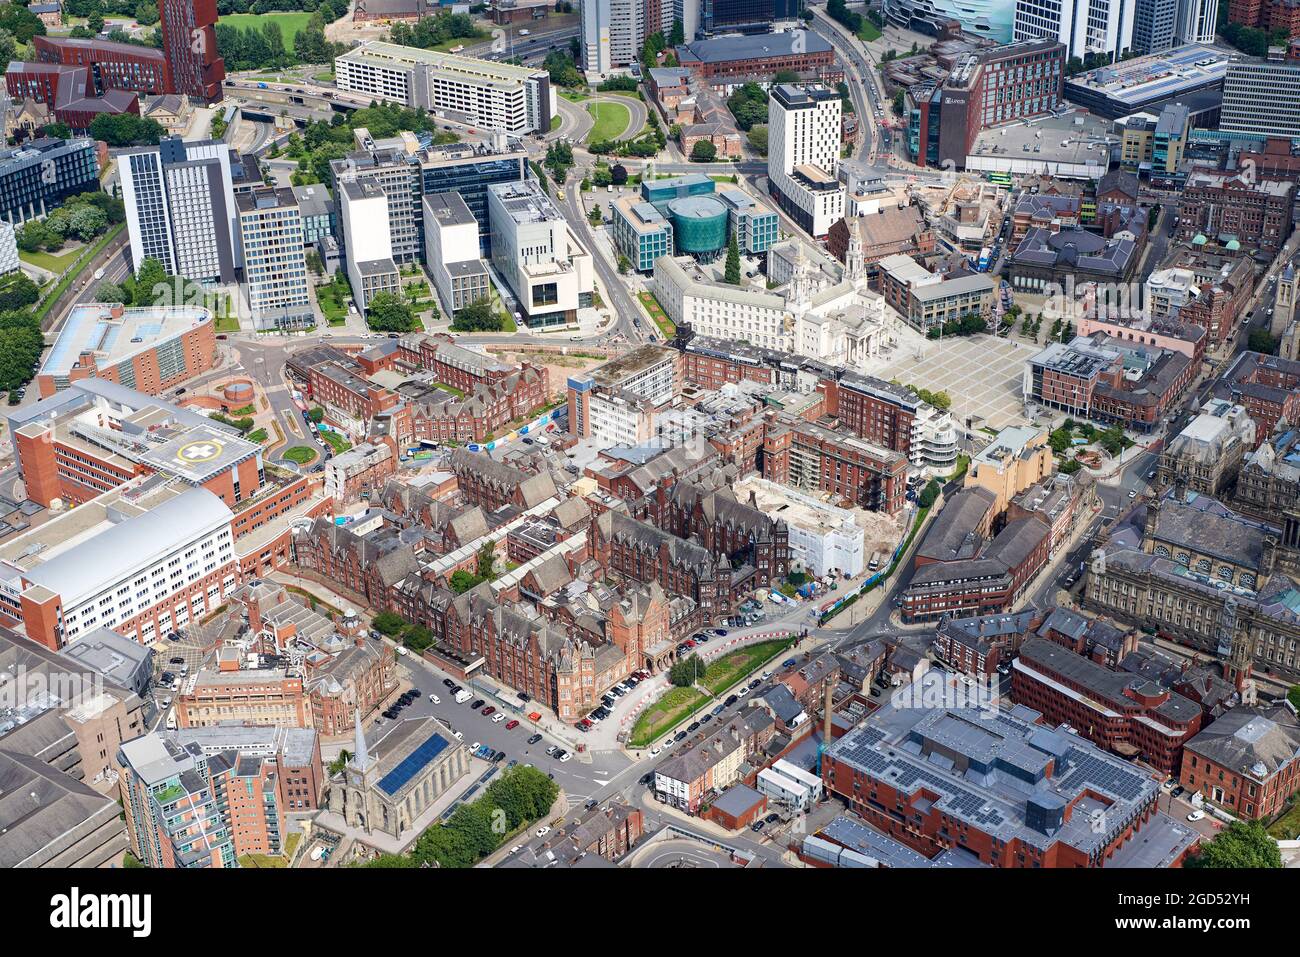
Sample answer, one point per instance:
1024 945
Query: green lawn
336 441
291 24
869 31
741 663
330 297
449 388
1287 827
612 120
663 715
300 455
573 97
227 324
326 77
53 262
656 312
556 121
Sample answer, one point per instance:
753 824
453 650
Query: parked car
1196 815
448 683
534 739
731 699
489 710
564 756
512 724
498 718
478 703
551 749
542 831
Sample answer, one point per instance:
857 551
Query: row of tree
81 217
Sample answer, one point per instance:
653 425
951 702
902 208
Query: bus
985 254
1000 178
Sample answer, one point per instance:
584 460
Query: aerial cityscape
726 434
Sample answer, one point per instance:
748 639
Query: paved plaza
983 375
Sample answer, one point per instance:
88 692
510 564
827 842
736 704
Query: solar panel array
430 748
1107 776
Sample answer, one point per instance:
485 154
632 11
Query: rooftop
113 334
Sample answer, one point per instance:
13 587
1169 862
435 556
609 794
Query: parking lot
580 777
983 375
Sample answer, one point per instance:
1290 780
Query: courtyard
983 376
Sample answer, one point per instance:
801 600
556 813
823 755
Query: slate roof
1255 742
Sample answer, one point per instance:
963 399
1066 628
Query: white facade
612 33
481 92
619 418
822 550
9 261
1086 26
363 212
180 208
722 311
275 259
803 156
785 783
538 256
1197 21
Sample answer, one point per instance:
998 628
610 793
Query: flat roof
93 328
199 453
1143 79
754 47
390 55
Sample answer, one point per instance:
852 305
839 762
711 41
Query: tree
703 151
1112 440
16 291
388 623
686 671
732 272
677 36
785 76
386 313
316 414
594 215
112 292
477 317
487 556
618 174
462 581
125 129
624 265
758 139
1260 341
1240 844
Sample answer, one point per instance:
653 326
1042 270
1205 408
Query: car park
448 683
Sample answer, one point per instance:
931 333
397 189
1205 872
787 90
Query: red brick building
1121 712
113 65
1247 762
1268 386
1257 212
194 64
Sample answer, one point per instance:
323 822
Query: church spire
360 757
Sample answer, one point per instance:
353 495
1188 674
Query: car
511 763
534 739
498 718
1196 815
693 726
679 736
706 719
766 674
654 752
515 850
720 632
1178 791
489 710
701 639
435 699
551 749
564 756
512 724
731 699
475 746
173 637
448 683
498 757
789 662
718 710
756 826
176 661
478 703
591 802
168 677
1132 493
771 819
542 831
457 735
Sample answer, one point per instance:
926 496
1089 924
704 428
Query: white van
171 720
462 696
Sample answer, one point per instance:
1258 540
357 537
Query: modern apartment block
547 271
367 242
36 177
1101 26
275 261
611 35
169 797
451 252
1261 98
499 96
804 141
112 65
189 35
390 166
180 208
